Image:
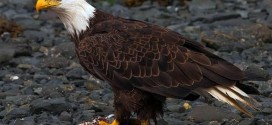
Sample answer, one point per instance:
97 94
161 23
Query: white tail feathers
230 95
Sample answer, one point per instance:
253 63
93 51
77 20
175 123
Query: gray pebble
65 116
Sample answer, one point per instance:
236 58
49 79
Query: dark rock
200 5
78 83
209 113
267 110
254 72
29 24
55 62
96 94
247 121
172 121
76 73
261 122
65 116
3 73
49 90
108 97
19 99
34 35
55 106
16 113
85 115
215 17
25 121
6 54
37 77
65 49
23 50
267 92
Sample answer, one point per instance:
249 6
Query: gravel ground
42 83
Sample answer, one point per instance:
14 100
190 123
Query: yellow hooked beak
44 4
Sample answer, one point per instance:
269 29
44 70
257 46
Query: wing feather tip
230 95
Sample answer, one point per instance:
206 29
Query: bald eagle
145 63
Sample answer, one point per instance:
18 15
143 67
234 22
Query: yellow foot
145 122
115 122
187 106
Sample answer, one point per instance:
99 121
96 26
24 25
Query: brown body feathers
145 63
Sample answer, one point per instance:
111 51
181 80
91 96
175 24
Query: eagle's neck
76 16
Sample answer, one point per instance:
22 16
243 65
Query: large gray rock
56 106
210 113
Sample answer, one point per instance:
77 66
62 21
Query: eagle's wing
131 53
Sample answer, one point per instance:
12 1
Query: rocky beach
42 82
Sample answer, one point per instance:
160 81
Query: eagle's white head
75 14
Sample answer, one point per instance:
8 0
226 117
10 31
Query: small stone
67 88
92 86
39 77
198 5
13 78
44 50
24 121
85 115
65 49
76 73
65 116
38 90
24 66
247 121
55 62
6 54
